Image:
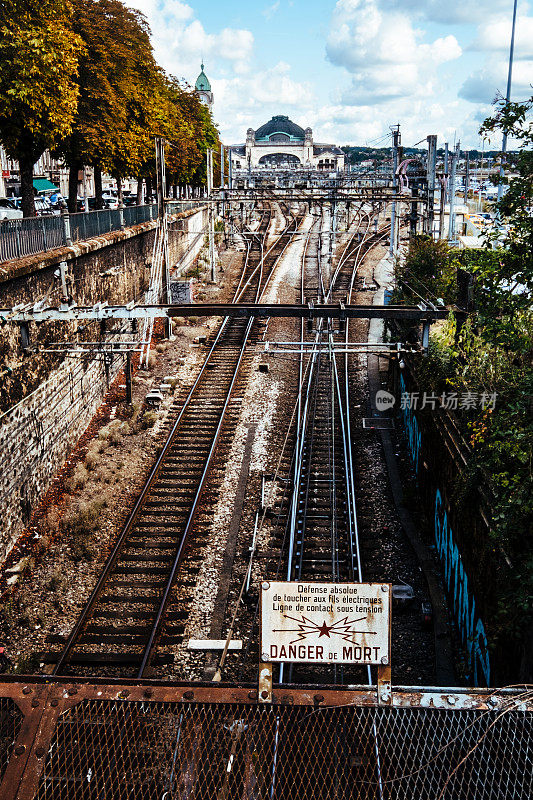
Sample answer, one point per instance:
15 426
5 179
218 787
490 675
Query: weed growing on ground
27 665
55 581
79 478
149 419
91 459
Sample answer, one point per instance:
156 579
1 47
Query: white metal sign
329 623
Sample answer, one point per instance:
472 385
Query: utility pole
413 217
480 180
453 169
507 99
467 176
211 222
395 144
162 223
446 173
431 179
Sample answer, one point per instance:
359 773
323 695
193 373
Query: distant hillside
356 155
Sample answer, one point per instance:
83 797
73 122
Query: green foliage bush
492 353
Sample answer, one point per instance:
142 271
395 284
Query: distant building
49 175
282 144
202 87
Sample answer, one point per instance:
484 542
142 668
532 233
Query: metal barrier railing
24 237
31 235
163 741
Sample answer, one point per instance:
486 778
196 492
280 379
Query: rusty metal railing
167 741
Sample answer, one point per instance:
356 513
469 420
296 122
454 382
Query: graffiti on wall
470 625
411 426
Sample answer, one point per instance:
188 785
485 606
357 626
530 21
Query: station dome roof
202 82
280 124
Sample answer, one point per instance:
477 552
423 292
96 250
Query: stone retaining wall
48 401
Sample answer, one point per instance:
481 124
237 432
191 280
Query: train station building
280 143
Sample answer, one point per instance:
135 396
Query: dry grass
79 477
114 431
149 419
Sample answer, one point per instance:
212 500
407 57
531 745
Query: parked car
43 207
110 201
8 209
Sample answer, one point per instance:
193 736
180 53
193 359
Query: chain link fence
218 743
31 235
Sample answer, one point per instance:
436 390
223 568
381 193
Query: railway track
135 616
318 530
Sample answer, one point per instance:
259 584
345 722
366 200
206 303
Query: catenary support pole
395 144
453 169
431 180
211 222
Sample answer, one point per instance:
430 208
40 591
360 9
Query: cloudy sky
351 68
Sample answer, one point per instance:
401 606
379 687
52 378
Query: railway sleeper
99 659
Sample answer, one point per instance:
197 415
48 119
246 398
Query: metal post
453 168
221 165
480 181
467 176
442 204
65 216
413 217
128 377
211 222
162 223
395 145
85 198
507 99
446 159
431 180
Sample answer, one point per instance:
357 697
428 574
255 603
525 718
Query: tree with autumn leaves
39 53
82 81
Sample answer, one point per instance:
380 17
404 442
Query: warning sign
330 623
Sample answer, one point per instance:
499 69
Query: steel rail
132 518
148 650
155 630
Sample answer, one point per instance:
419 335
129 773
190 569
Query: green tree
38 94
120 93
504 271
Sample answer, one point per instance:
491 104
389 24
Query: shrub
82 519
27 664
149 419
79 477
55 581
91 459
114 431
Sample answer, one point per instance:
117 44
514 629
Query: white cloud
383 52
451 12
181 41
269 11
250 100
483 85
494 35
